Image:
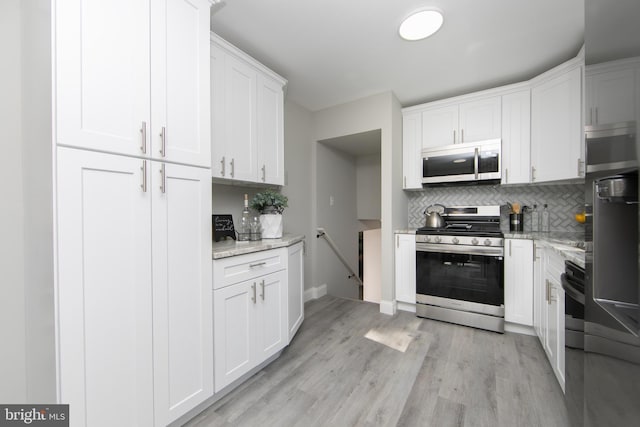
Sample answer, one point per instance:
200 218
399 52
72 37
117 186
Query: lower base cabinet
257 308
549 308
518 281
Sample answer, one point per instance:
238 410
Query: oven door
470 278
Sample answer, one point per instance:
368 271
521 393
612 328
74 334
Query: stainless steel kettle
433 218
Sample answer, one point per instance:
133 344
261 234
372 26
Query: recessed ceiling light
420 25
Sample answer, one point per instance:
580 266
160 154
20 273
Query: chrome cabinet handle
264 173
222 164
262 294
405 182
533 173
257 264
143 168
454 136
591 116
143 131
233 168
596 116
163 142
163 179
461 135
506 176
510 241
253 288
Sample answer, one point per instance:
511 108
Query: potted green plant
270 204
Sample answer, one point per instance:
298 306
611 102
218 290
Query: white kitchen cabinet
518 281
539 289
556 130
246 117
104 288
182 294
516 137
412 151
295 285
405 268
468 121
141 91
610 95
270 115
134 287
250 301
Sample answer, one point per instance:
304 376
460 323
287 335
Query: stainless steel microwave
467 162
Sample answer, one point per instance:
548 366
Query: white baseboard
315 293
406 306
388 307
519 329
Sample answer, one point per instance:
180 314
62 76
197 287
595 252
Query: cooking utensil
432 216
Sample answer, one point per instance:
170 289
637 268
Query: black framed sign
222 226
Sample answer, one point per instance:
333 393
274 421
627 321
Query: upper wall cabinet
247 120
611 92
516 137
469 121
556 128
142 91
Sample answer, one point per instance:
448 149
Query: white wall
368 179
336 212
12 299
375 112
38 200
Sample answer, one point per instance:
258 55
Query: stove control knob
427 238
474 241
438 239
487 242
455 241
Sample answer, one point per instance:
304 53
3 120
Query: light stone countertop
229 248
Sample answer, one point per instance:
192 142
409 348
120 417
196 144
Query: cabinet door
182 288
270 131
480 120
295 285
271 329
180 81
518 281
405 268
233 332
556 134
240 117
551 343
440 127
539 295
102 76
218 124
516 137
411 151
613 97
104 295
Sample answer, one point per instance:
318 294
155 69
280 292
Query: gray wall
12 299
26 218
337 181
563 202
368 180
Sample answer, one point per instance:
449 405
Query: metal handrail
323 233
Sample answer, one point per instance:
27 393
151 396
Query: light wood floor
449 375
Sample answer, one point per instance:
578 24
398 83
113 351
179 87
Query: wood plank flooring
449 375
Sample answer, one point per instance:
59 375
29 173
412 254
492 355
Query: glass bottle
535 219
544 219
244 231
256 228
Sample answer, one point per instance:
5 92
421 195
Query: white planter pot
271 226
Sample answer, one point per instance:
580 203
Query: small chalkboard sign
223 227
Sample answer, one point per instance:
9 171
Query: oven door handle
456 249
570 289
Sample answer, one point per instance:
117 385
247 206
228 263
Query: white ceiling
357 144
336 51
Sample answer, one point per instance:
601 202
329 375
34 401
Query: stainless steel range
459 268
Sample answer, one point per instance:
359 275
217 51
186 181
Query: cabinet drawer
235 269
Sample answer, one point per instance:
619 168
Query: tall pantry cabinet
133 209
